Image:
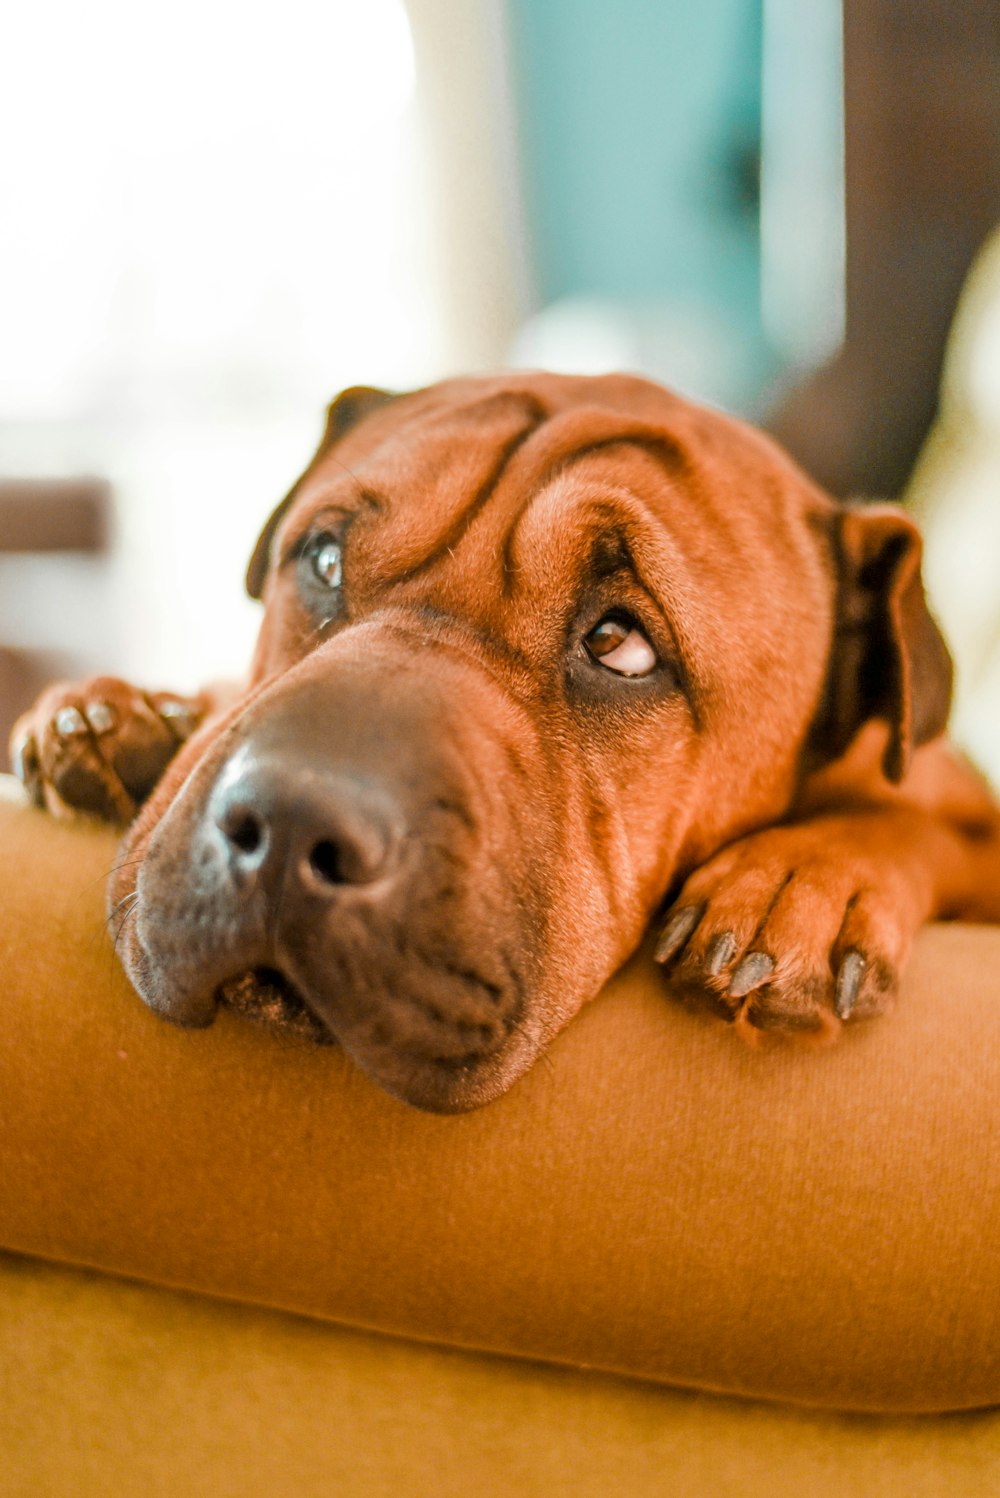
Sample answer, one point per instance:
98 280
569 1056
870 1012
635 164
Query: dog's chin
434 1084
438 1084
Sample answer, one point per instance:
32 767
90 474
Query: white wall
215 217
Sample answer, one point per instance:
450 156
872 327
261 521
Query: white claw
180 716
70 722
24 759
101 716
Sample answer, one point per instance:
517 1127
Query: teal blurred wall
640 142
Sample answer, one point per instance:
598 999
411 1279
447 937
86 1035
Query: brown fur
769 777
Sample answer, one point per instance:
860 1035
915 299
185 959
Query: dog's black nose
294 819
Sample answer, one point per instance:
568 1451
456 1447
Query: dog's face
533 647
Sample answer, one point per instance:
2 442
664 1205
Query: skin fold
544 660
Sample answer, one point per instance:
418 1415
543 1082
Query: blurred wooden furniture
53 514
922 168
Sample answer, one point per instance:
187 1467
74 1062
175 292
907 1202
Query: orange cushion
819 1226
108 1387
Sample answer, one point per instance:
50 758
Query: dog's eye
618 644
326 560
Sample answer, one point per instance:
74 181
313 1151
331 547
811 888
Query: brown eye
619 645
607 636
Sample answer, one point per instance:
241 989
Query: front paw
99 746
787 930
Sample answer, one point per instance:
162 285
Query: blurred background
213 217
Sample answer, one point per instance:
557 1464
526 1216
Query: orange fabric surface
112 1388
819 1226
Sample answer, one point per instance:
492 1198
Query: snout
344 864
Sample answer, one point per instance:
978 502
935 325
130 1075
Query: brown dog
535 649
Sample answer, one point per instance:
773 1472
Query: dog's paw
789 930
99 746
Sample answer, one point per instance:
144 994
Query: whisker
114 869
366 494
128 899
123 923
126 863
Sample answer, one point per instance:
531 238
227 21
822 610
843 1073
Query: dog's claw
102 717
848 984
721 951
754 971
19 758
676 932
25 765
70 723
181 717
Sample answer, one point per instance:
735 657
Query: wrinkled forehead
503 471
430 466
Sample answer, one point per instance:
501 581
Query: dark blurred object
44 515
54 514
922 166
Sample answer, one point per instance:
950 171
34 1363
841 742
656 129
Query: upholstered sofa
663 1264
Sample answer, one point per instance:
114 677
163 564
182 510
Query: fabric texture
817 1226
108 1387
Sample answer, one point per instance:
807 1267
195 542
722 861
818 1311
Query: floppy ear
345 412
887 658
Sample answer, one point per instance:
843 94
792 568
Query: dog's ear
887 658
345 412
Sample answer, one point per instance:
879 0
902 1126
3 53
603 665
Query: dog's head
533 647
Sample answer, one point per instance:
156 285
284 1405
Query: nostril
247 834
326 863
244 828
